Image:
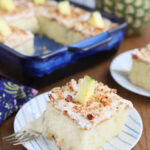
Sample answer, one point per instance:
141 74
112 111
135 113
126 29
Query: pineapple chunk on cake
39 2
96 20
140 72
64 7
84 123
7 5
86 90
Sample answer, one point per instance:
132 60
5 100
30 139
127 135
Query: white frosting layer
100 109
143 54
83 122
23 9
77 20
50 11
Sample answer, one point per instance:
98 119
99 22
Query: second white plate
118 68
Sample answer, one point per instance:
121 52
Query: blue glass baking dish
60 56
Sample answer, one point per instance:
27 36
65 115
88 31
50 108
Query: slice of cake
67 24
56 22
84 115
23 16
140 72
18 39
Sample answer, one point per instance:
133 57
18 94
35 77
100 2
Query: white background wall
89 3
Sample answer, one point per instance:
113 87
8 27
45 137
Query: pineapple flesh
7 5
64 8
4 28
86 90
39 2
96 20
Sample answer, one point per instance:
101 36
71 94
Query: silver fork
21 137
30 132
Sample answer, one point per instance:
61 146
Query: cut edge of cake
140 71
20 40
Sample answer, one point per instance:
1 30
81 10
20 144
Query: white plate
128 138
119 66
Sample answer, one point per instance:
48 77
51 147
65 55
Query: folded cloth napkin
12 97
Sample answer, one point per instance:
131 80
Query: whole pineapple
136 12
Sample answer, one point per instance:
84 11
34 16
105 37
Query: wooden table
98 68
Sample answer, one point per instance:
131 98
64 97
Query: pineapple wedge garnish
96 20
39 2
7 5
64 7
4 28
86 90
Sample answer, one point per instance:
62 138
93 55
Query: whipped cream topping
90 30
50 11
77 20
100 107
24 9
17 37
142 54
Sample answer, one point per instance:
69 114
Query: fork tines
20 137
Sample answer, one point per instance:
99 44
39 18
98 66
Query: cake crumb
90 117
45 50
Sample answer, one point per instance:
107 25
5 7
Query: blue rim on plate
128 138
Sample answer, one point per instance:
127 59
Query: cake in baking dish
22 16
84 115
140 72
18 39
60 21
63 24
71 27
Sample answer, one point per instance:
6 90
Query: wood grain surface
98 68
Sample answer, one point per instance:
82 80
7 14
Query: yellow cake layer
140 74
59 32
27 48
20 40
69 136
140 71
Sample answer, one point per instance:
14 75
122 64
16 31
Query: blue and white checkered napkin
12 97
